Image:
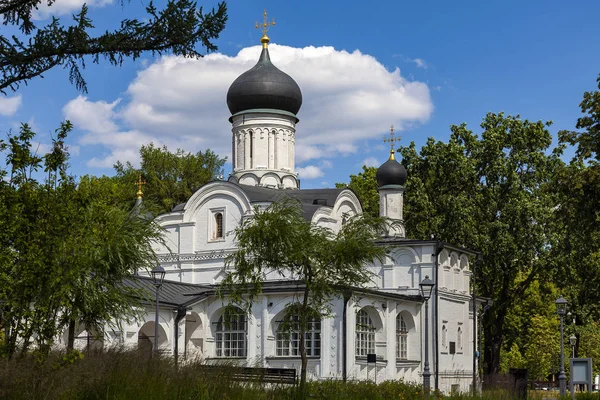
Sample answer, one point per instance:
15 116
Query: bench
262 375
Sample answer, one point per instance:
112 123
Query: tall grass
129 375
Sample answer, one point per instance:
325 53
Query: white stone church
386 319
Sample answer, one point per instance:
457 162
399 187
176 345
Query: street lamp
573 341
426 287
158 275
561 310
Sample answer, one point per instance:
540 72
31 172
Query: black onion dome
391 173
264 86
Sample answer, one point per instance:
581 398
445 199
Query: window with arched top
401 338
365 334
459 339
231 333
444 336
287 339
218 225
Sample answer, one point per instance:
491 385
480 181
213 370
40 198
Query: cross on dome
391 140
264 27
140 183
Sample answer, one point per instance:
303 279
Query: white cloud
62 7
310 172
371 162
9 105
181 102
420 63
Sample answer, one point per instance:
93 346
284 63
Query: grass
124 375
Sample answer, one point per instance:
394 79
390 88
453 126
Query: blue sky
420 65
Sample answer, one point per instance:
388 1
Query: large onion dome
391 172
264 87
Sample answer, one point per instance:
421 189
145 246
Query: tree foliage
177 28
577 250
171 178
277 241
490 193
63 251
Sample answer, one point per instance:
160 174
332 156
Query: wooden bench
262 375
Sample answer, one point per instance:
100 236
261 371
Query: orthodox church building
376 333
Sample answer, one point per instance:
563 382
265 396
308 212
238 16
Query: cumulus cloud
310 172
62 7
180 102
9 105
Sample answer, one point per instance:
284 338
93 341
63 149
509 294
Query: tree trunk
493 330
303 326
71 335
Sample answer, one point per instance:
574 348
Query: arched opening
146 338
194 342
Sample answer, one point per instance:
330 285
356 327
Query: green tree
490 193
178 28
277 239
577 248
171 178
64 252
364 185
542 354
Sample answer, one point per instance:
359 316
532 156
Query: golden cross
140 183
264 27
391 140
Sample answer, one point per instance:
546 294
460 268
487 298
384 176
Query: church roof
310 199
177 294
171 293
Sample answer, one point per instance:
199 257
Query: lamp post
426 287
158 275
573 341
561 310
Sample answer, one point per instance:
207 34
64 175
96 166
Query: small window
459 339
218 225
452 348
444 336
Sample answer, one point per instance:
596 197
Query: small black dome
391 173
264 86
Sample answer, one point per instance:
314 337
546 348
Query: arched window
459 339
444 336
218 225
231 335
365 334
288 340
401 338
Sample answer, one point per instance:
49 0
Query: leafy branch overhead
177 29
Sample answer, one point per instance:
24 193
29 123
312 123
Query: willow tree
64 249
279 240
